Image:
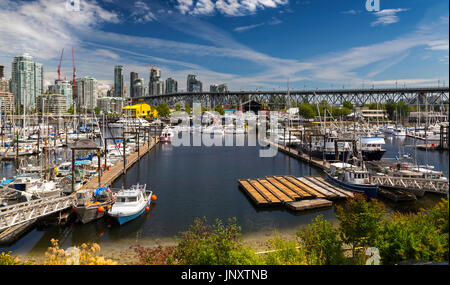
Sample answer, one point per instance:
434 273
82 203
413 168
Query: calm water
201 181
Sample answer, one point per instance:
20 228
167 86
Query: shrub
411 236
321 243
58 256
8 259
284 253
360 221
218 244
160 255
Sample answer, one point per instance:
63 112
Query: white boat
130 203
167 134
130 122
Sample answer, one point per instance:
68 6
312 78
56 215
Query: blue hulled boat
352 178
130 203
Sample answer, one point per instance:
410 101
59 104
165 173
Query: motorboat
352 178
372 147
130 122
167 134
93 204
130 203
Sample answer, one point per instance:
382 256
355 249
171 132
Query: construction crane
59 65
74 70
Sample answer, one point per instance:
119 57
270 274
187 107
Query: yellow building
140 110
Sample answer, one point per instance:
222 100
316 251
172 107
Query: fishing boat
130 203
92 205
352 178
372 148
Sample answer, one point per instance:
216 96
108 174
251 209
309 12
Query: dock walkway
108 177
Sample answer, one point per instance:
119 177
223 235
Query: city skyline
248 47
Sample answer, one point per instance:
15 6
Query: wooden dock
109 176
309 204
287 190
302 156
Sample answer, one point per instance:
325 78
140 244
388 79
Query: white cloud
387 16
141 13
439 45
203 7
226 7
351 12
43 27
246 28
184 6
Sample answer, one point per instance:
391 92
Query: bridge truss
358 97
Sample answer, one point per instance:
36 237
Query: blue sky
248 44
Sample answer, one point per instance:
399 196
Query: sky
247 44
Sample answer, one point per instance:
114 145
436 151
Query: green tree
306 111
97 110
70 110
219 109
188 109
411 236
163 110
360 221
348 105
177 108
321 243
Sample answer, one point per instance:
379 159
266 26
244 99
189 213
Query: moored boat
130 203
352 178
92 205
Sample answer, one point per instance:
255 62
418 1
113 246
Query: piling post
99 168
124 156
73 170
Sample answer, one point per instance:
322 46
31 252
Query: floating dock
289 190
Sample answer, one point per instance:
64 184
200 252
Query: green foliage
306 111
219 109
360 221
177 108
205 244
97 110
70 110
163 110
284 253
411 236
439 216
188 109
348 105
321 243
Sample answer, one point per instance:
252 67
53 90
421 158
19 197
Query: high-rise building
155 75
171 85
193 84
133 77
218 88
87 92
63 87
4 83
2 71
139 88
118 81
157 87
27 81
